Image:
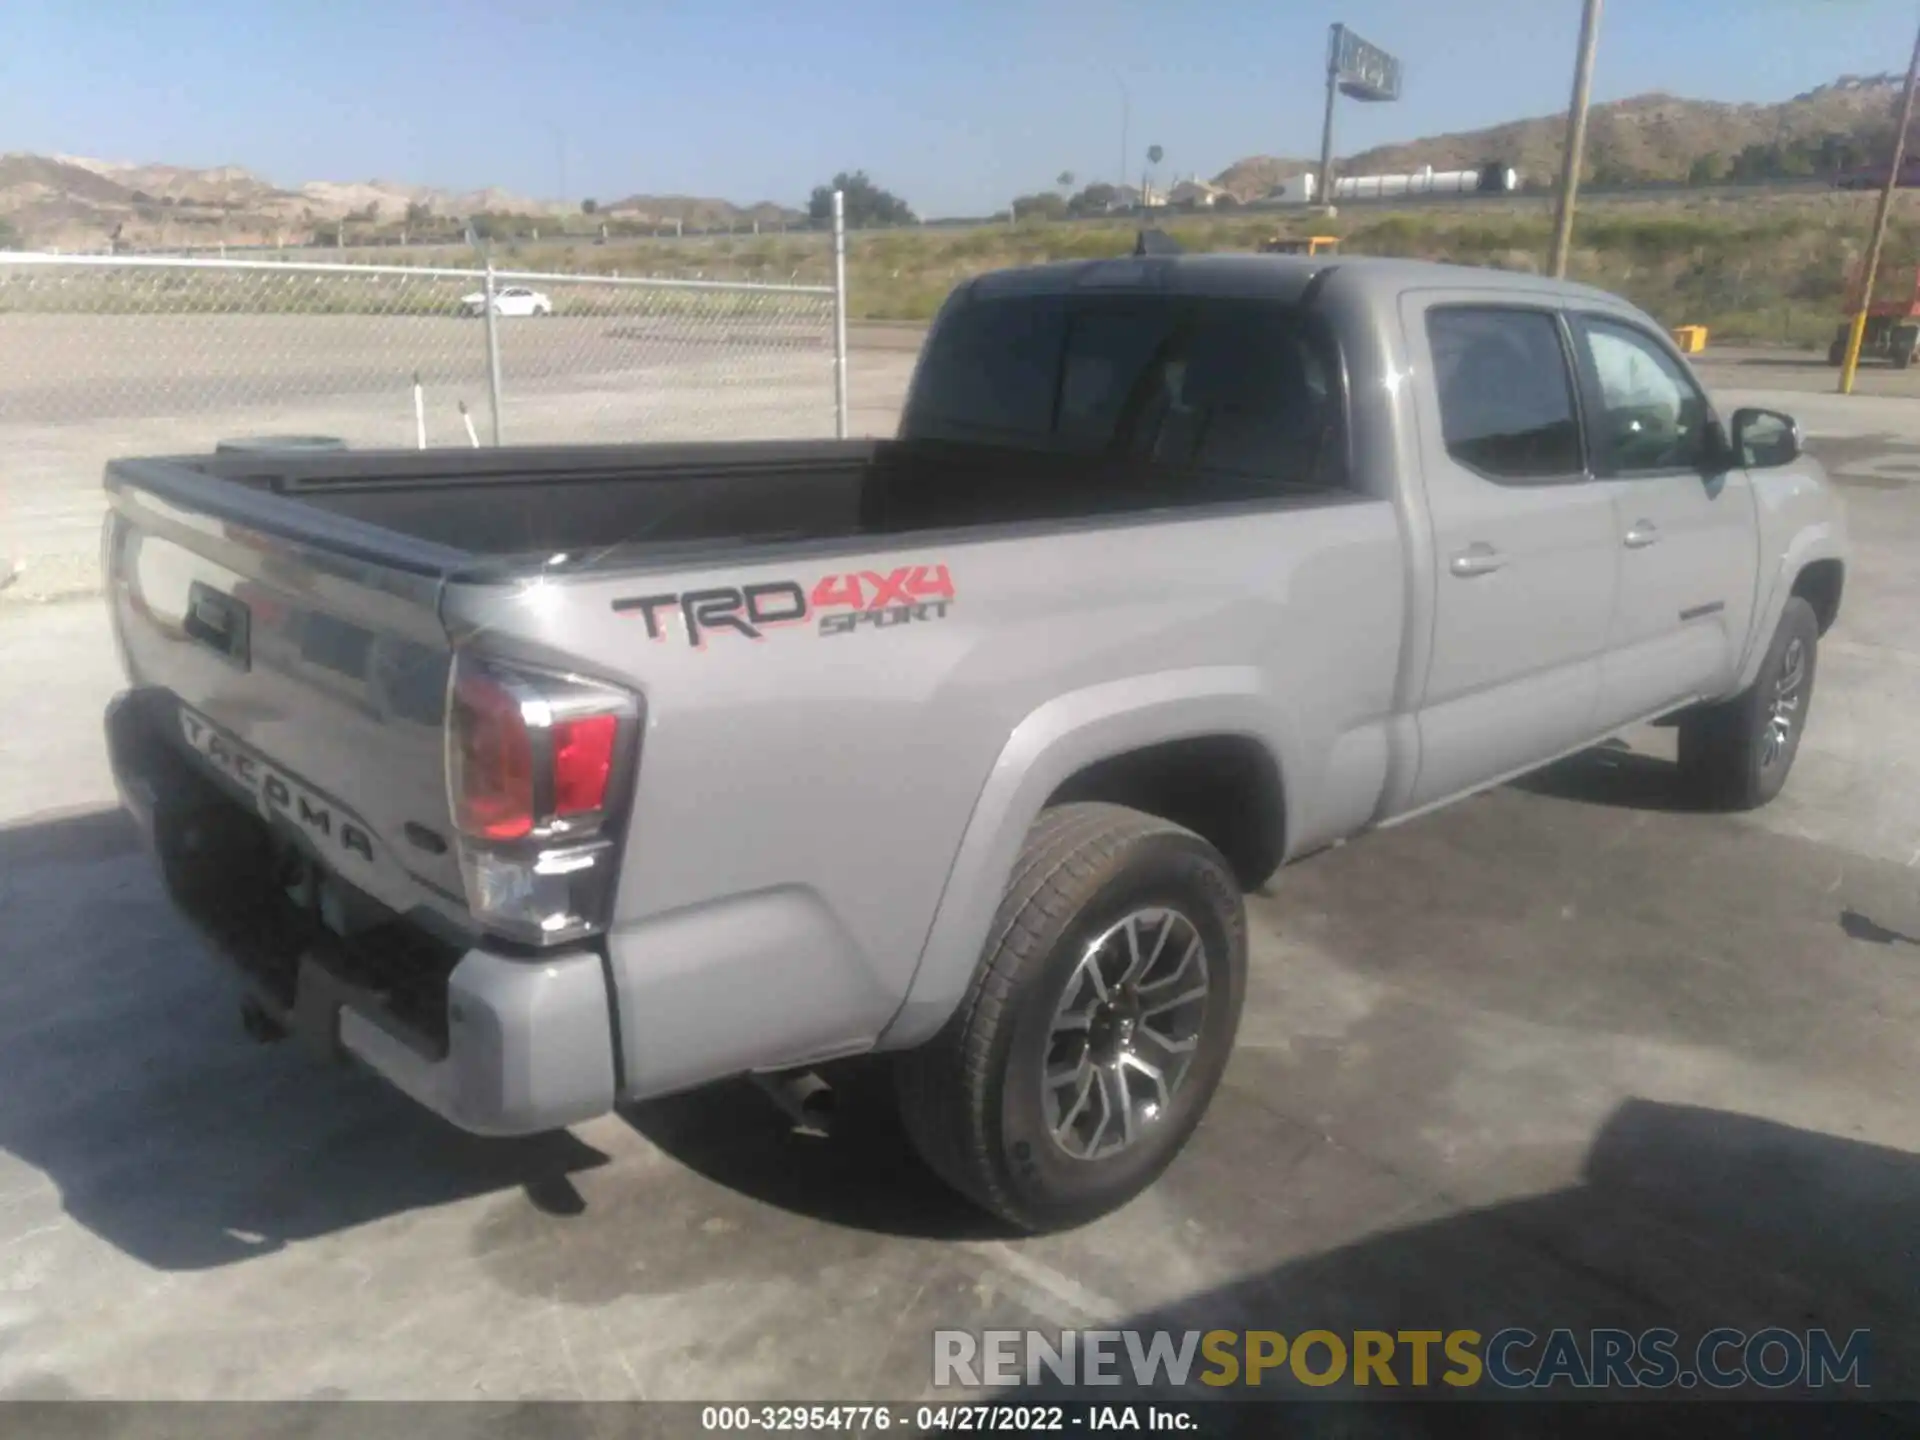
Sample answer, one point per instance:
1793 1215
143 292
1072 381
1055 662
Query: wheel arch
1124 742
1812 567
1820 583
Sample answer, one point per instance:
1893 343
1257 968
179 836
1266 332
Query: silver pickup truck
539 781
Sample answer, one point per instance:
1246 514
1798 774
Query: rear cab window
1183 400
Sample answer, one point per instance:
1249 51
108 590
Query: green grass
1750 268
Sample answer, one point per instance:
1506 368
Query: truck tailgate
309 680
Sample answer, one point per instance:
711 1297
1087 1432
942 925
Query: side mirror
1764 439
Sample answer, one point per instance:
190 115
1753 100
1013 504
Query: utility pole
1126 118
1576 151
1858 332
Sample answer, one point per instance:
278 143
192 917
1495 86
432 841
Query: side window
1506 397
1652 416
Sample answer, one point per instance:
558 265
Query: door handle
1642 534
1476 559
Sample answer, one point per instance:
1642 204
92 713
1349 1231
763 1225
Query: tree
589 207
1708 169
1154 156
866 203
1065 181
9 236
1097 199
1041 205
1756 162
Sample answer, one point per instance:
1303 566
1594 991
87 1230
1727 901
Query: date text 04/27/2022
977 1419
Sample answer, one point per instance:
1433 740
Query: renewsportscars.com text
1513 1358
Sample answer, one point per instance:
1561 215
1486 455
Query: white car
514 300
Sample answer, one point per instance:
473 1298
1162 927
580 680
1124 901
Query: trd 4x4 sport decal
840 604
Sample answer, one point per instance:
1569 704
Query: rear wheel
1097 1027
1736 755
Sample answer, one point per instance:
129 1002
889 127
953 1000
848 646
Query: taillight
490 761
582 761
536 768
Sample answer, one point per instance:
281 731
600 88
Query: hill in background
1646 138
67 202
75 203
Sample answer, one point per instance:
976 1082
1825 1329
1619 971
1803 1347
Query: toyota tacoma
540 781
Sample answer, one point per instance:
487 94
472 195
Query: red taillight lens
582 761
492 779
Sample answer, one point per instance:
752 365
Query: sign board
1366 72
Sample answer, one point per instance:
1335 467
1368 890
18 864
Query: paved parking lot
1563 1055
79 390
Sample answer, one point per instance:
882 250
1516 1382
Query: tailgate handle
218 622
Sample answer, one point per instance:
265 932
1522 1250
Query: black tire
973 1098
1725 756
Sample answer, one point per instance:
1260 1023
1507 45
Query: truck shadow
863 1175
132 1089
1682 1218
1615 775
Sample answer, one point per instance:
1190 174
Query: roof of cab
1279 277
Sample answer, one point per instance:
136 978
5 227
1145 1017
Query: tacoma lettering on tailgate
839 604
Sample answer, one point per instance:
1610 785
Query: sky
956 105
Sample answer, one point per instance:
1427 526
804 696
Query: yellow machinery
1300 245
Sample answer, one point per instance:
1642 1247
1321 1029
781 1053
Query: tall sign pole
1323 192
1575 154
1858 332
1366 72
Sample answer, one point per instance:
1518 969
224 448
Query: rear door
1684 524
1525 551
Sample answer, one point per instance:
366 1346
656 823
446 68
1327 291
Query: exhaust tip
261 1027
803 1097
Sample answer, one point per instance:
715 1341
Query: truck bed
611 504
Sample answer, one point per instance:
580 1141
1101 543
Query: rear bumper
497 1044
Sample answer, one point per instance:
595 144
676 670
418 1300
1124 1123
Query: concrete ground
1563 1055
79 390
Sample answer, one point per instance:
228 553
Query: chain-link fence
107 356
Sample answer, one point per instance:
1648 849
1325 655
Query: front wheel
1736 755
1098 1024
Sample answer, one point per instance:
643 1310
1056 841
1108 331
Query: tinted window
1506 397
1653 417
989 374
1231 389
